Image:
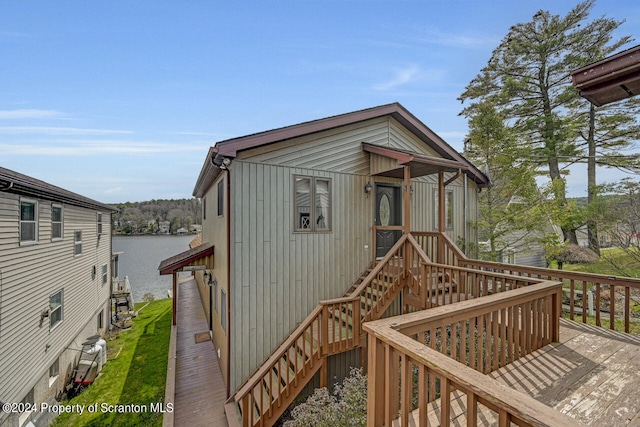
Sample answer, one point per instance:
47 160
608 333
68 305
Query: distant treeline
157 216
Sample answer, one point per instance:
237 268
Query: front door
388 212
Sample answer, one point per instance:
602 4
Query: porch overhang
201 255
419 164
611 79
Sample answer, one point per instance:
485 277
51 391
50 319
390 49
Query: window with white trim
56 222
28 221
448 208
312 203
55 309
99 222
77 243
105 274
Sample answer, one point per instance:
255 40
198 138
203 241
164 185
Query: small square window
56 222
77 246
312 203
28 221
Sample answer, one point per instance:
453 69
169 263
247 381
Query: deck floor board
592 375
200 390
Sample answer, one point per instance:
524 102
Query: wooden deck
200 392
592 375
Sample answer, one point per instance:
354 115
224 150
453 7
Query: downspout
465 208
228 282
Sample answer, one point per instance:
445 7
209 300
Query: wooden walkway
592 375
200 391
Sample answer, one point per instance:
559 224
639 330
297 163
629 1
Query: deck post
376 382
175 297
441 214
407 200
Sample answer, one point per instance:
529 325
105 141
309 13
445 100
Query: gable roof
229 148
611 79
24 185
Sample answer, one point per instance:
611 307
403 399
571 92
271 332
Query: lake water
141 258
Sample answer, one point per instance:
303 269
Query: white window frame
314 221
77 243
52 309
105 274
449 212
54 372
34 222
99 223
55 206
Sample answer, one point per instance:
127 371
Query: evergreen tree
528 79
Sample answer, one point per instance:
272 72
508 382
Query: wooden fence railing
421 357
616 300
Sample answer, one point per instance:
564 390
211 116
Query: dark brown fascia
231 147
14 182
611 68
208 174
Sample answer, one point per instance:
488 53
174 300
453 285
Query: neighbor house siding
30 274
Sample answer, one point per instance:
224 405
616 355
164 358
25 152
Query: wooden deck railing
334 326
615 299
424 356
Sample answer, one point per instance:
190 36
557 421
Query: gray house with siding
290 216
55 282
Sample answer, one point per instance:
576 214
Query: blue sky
120 100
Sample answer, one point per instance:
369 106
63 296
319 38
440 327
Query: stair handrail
280 351
379 266
275 357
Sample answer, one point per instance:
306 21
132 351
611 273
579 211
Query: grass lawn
135 373
613 261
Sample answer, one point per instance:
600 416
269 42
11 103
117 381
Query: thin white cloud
29 114
435 36
405 76
89 148
53 130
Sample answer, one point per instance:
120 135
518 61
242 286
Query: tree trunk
592 230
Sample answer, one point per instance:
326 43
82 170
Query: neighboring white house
55 281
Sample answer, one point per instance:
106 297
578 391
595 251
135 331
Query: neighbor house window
509 256
204 208
54 371
221 198
55 309
448 209
56 222
99 222
100 323
28 221
77 243
223 309
312 205
105 273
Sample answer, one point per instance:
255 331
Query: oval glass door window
385 210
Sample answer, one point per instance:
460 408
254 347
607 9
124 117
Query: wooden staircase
333 327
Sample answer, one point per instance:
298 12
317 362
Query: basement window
312 204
